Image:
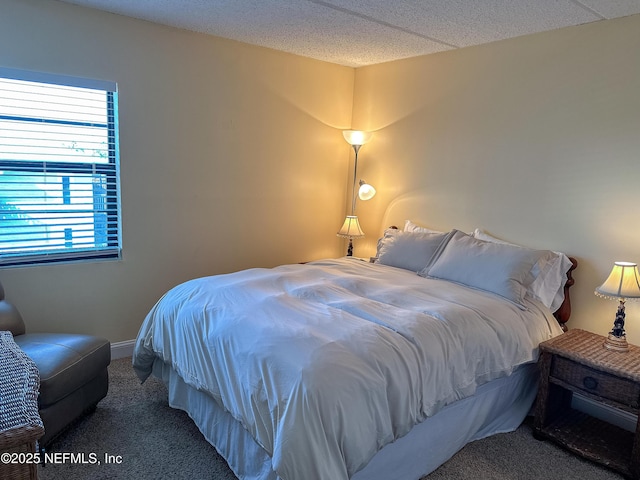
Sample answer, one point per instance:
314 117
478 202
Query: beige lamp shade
351 228
623 282
356 137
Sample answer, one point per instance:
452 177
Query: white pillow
411 251
503 269
388 231
409 226
550 273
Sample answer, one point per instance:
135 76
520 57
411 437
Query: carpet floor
134 434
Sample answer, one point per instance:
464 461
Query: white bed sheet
325 364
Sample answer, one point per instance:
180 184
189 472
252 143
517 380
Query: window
59 177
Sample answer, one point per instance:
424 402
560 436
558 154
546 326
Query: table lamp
351 229
622 284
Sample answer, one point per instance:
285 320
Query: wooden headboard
564 312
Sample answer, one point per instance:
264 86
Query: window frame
109 169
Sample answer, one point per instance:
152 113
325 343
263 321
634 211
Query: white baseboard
611 415
122 349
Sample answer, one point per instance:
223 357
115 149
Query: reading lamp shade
366 191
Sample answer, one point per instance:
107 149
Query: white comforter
326 363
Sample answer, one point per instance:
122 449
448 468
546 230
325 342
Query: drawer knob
590 383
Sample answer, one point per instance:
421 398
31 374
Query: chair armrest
10 319
20 437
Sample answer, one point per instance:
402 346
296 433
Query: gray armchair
72 368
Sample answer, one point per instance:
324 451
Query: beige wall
536 139
231 157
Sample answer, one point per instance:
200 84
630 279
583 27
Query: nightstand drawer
597 383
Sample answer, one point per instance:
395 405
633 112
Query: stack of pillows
478 261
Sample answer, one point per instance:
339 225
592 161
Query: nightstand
576 361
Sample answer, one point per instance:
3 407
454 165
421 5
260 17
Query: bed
347 369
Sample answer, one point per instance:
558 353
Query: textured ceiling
364 32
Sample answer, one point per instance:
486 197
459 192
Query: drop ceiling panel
364 32
613 8
464 23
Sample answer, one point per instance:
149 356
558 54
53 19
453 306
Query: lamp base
618 344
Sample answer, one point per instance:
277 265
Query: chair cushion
66 362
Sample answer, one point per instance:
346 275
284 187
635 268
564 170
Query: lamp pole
356 148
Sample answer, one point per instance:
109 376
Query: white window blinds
59 182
